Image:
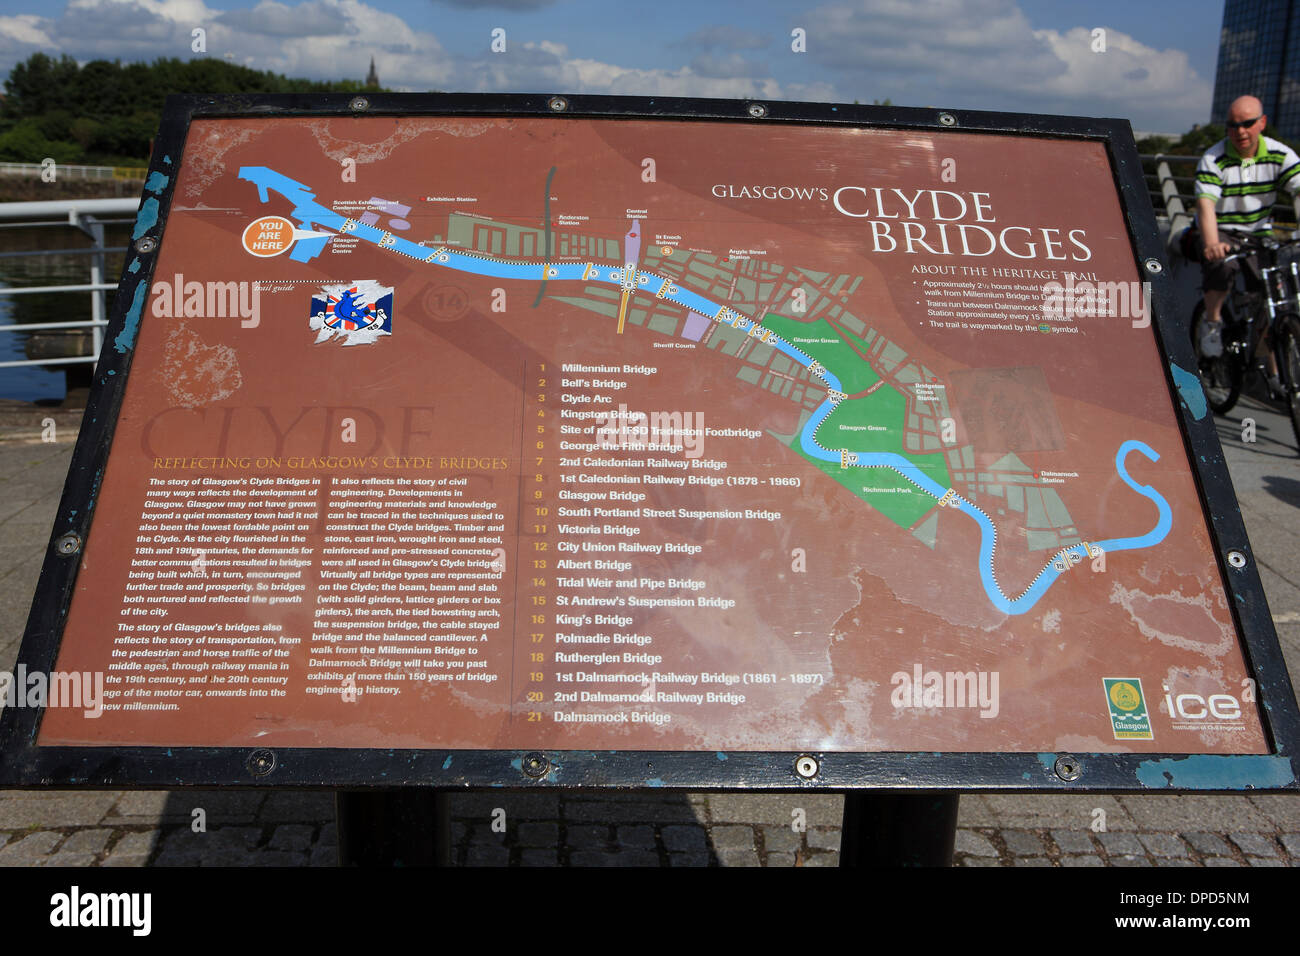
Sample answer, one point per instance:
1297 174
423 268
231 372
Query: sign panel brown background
496 433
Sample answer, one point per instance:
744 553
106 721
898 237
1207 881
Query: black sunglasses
1244 124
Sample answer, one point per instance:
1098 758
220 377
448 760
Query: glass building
1259 54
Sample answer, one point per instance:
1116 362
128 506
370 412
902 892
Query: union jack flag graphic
356 313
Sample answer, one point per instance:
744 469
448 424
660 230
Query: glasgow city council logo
1129 719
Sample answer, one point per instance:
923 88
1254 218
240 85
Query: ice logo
356 314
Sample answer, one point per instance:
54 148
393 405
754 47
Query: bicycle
1248 314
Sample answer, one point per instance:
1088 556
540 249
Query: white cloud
812 93
501 4
25 28
558 49
985 54
1129 74
728 65
177 11
596 77
108 29
314 18
317 39
547 67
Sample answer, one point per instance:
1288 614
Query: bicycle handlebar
1256 244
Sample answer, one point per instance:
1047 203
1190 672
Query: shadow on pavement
1273 436
297 828
1286 490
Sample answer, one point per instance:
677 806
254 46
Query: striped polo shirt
1245 189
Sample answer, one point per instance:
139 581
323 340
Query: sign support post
394 827
898 829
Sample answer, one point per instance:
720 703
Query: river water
46 383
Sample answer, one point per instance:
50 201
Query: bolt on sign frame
855 296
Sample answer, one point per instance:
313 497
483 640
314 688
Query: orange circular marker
268 236
666 250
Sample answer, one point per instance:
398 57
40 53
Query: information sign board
481 440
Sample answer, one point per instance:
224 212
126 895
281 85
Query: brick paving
557 830
280 828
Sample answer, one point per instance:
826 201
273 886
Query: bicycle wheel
1221 376
1288 366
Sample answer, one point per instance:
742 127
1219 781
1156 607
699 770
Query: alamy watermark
82 690
1084 299
655 431
179 299
76 908
923 690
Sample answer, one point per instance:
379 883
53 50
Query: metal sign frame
24 764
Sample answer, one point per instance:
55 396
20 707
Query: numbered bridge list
617 583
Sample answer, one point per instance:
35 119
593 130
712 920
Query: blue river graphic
309 214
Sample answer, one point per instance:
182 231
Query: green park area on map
878 406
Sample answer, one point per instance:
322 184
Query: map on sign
487 433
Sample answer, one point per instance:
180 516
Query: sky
1040 56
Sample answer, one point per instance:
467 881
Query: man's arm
1209 188
1289 179
1209 224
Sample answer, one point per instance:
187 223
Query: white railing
83 214
70 210
1175 211
66 171
70 171
62 170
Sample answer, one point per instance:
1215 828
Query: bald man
1236 186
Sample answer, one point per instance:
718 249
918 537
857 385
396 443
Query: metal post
898 829
407 827
96 314
97 298
1178 218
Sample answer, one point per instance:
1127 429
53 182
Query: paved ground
271 829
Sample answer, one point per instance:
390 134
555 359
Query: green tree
38 85
107 112
25 143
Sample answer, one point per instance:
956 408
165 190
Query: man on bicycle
1236 186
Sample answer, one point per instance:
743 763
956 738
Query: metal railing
1167 197
86 215
1179 206
71 171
